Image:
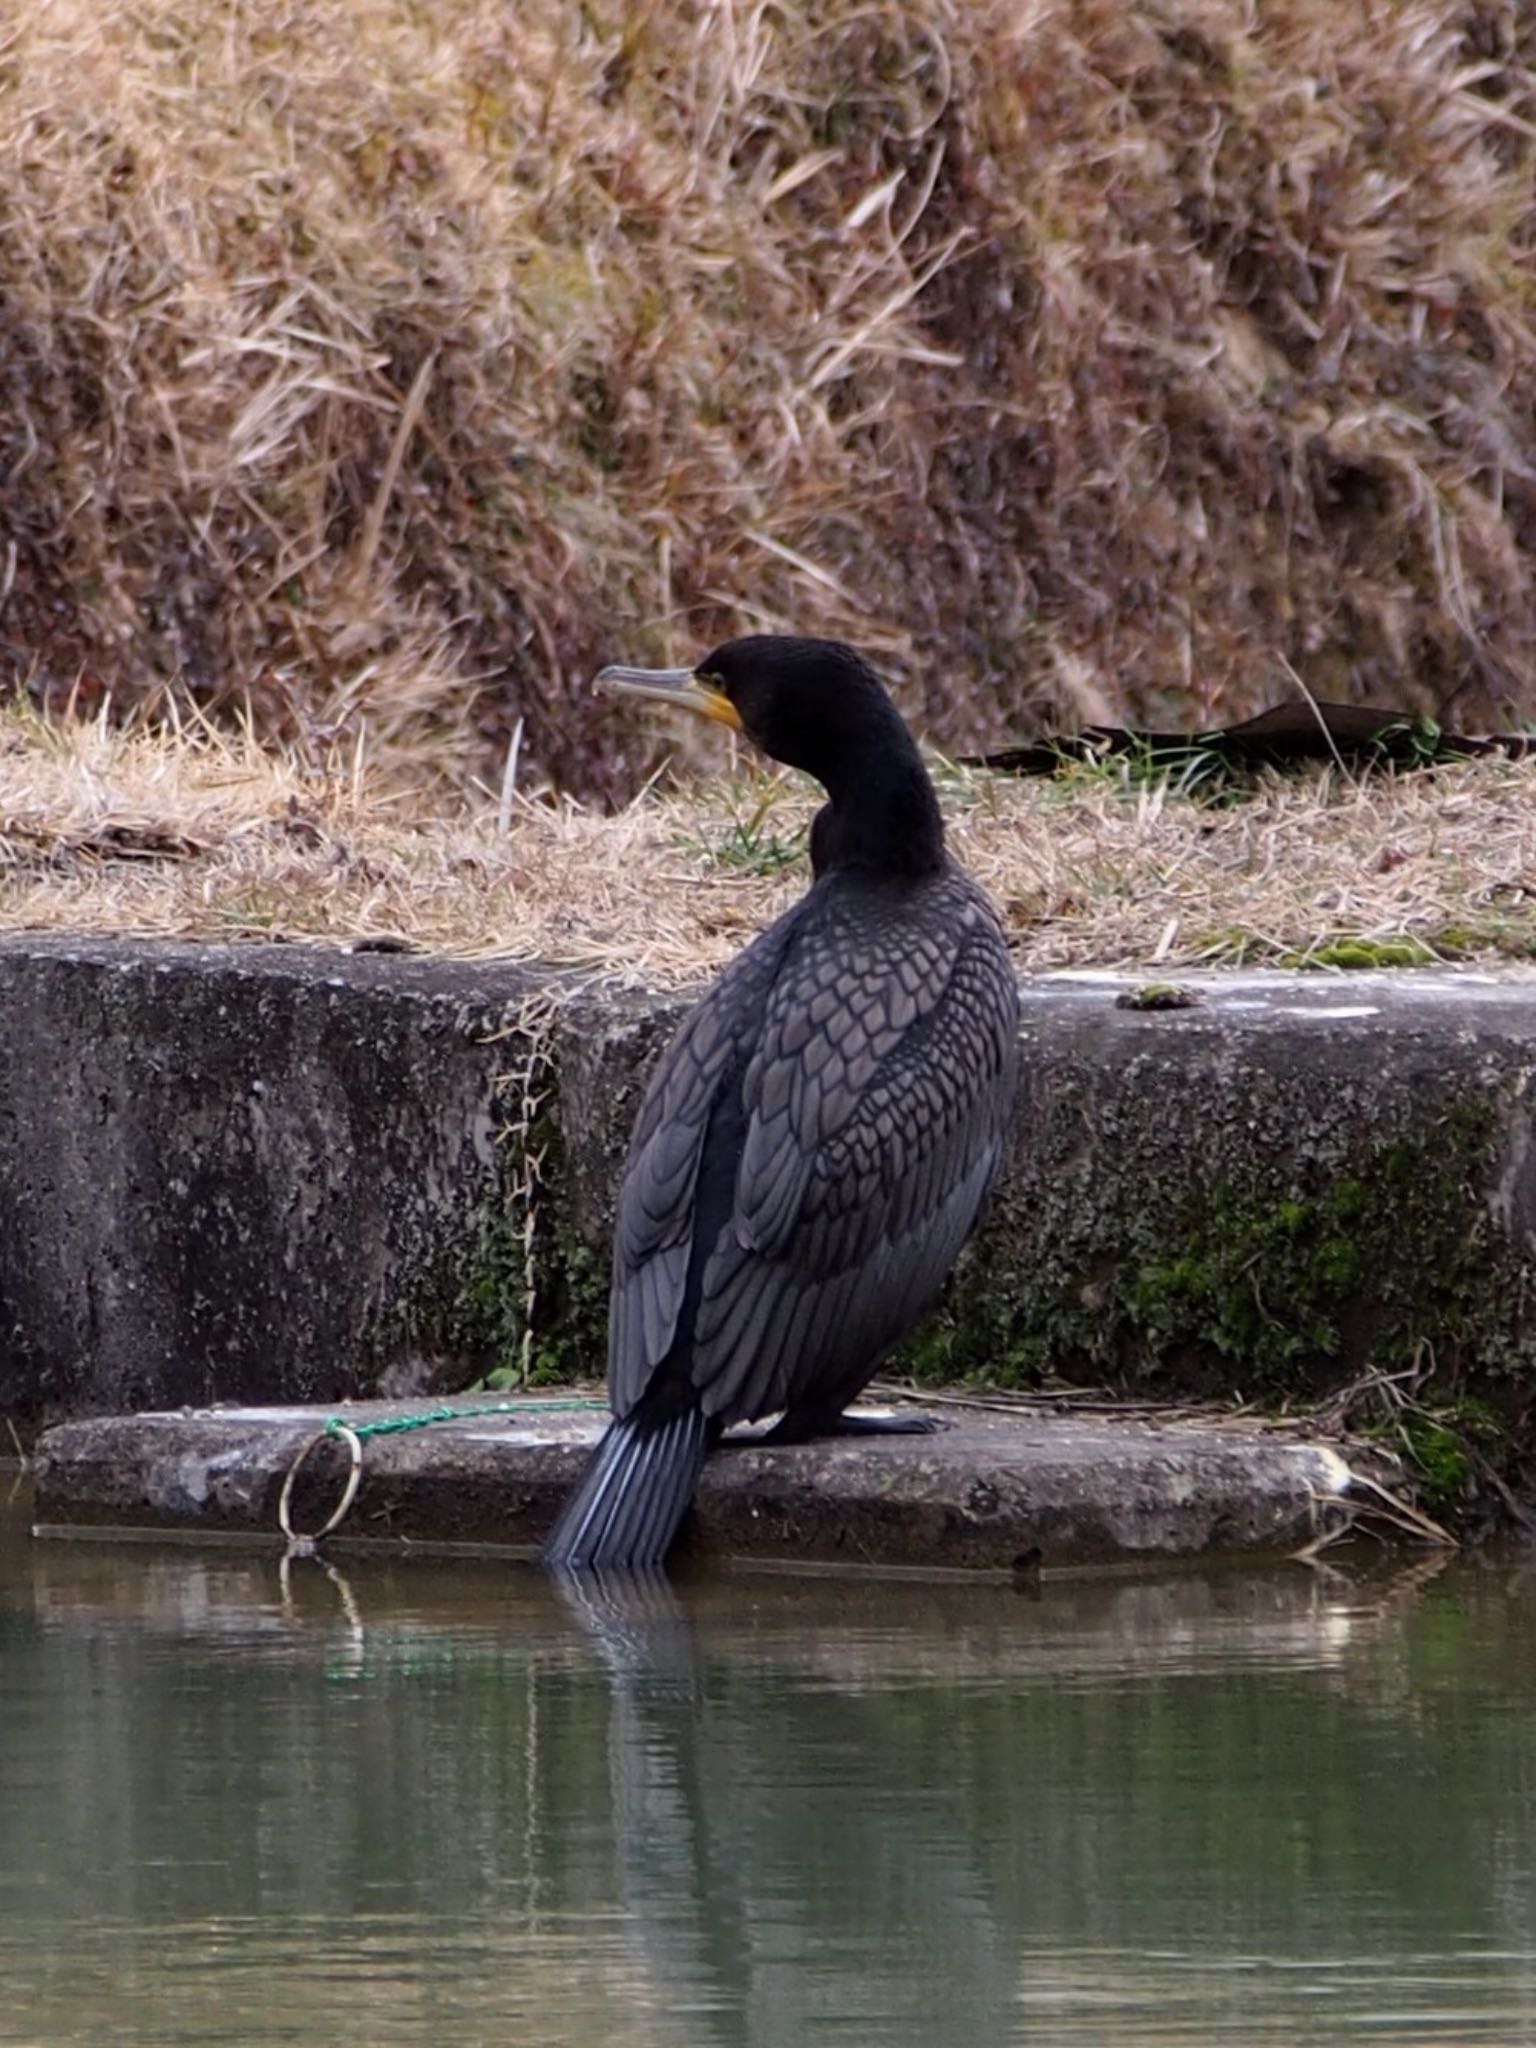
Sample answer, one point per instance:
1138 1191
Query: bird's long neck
883 817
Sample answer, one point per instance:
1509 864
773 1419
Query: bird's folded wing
653 1234
875 1103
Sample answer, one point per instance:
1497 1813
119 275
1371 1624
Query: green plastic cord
394 1424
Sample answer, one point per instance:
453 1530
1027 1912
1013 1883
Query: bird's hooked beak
680 686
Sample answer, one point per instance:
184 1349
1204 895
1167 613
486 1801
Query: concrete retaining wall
228 1172
265 1173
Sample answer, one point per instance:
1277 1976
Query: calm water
429 1804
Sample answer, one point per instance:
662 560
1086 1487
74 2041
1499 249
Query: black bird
816 1142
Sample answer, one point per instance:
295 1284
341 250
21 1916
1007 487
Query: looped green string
392 1425
353 1433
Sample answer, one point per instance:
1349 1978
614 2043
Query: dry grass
389 364
213 835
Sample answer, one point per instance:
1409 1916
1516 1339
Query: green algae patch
1360 955
1285 1283
1270 1278
570 1323
488 1310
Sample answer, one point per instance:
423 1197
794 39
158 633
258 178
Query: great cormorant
817 1141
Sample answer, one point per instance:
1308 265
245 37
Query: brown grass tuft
205 834
390 364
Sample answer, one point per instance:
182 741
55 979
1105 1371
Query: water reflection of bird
818 1139
782 1878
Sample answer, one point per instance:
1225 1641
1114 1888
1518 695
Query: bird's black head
817 705
813 704
820 707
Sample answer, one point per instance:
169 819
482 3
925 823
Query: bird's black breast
814 1147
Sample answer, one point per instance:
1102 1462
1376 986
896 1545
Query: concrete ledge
271 1173
988 1492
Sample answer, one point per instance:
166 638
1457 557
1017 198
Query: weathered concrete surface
1297 1179
244 1171
989 1491
275 1173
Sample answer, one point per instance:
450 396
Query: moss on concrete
487 1319
532 1302
1263 1278
1160 995
1402 949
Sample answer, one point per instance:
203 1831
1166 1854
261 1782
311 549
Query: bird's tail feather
634 1493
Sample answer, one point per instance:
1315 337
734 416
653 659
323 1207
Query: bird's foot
804 1429
910 1422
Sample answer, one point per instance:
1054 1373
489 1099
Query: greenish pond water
427 1803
